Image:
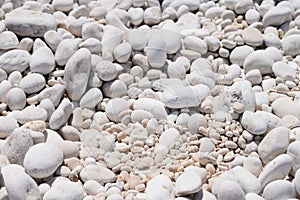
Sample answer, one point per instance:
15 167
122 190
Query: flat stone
29 23
97 173
188 183
273 144
42 160
14 60
77 73
18 184
159 187
64 6
276 169
42 61
279 189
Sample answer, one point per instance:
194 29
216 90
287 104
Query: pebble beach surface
149 99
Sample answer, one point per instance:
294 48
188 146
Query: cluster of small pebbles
150 99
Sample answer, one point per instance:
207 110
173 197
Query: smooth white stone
294 151
246 180
155 107
61 115
8 40
16 99
252 16
32 83
64 6
152 15
276 169
76 74
195 44
252 37
97 173
29 23
64 190
31 113
116 109
296 182
188 183
274 143
91 98
253 123
159 187
284 70
7 126
291 45
167 141
18 184
253 164
277 16
279 189
17 145
111 38
53 94
283 106
239 54
156 52
260 60
106 70
14 60
242 6
114 89
122 52
65 49
254 76
252 196
179 96
42 160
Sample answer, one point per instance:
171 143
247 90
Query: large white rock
64 190
32 83
65 49
291 44
260 60
77 73
14 60
246 180
284 70
168 139
42 160
91 98
279 189
252 37
42 61
29 22
159 187
156 52
274 143
18 184
283 106
17 145
188 183
253 123
296 181
276 169
16 99
8 40
7 126
277 16
116 109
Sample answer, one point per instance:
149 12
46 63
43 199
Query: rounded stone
259 60
252 36
16 99
32 83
